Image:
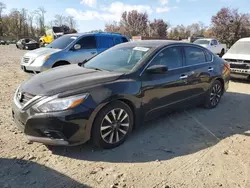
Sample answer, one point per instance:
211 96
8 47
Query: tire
109 132
214 95
222 52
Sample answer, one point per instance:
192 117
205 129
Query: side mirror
77 47
157 69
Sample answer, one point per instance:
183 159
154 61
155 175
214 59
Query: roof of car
245 39
206 39
152 43
94 33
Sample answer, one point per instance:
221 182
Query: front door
162 91
87 50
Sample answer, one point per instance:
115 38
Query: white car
213 45
238 57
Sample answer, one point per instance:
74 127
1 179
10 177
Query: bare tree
2 7
113 27
40 17
135 23
228 25
71 22
158 28
59 20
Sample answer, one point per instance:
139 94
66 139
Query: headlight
54 104
41 59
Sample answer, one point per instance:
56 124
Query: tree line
22 23
228 25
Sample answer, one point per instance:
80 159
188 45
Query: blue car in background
69 49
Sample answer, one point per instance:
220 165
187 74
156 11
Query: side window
124 39
214 42
208 56
194 55
171 57
106 41
117 40
88 42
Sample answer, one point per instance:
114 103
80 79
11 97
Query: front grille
239 66
26 59
237 61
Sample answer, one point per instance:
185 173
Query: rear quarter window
124 39
209 56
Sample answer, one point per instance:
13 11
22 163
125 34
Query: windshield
57 29
201 41
62 42
121 59
240 47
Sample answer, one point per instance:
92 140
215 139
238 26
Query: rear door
87 50
201 69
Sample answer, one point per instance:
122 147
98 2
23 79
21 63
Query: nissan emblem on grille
20 96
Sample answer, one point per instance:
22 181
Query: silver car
69 49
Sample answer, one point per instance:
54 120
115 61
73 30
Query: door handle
92 52
183 77
210 69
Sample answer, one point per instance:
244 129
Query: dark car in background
4 42
27 44
106 97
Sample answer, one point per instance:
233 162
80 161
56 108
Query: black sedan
27 44
106 97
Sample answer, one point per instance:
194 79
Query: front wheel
214 95
112 125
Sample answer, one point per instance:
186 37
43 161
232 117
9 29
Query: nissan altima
105 98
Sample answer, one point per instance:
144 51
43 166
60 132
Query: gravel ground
192 148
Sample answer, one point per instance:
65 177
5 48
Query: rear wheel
214 95
112 125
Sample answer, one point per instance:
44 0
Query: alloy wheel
115 126
215 94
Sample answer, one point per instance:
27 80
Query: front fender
127 91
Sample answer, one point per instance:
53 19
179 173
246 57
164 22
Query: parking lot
191 148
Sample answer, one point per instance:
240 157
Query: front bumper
57 128
31 69
240 73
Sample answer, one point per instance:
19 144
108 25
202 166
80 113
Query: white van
238 56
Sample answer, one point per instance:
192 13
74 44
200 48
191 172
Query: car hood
64 79
237 56
41 51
